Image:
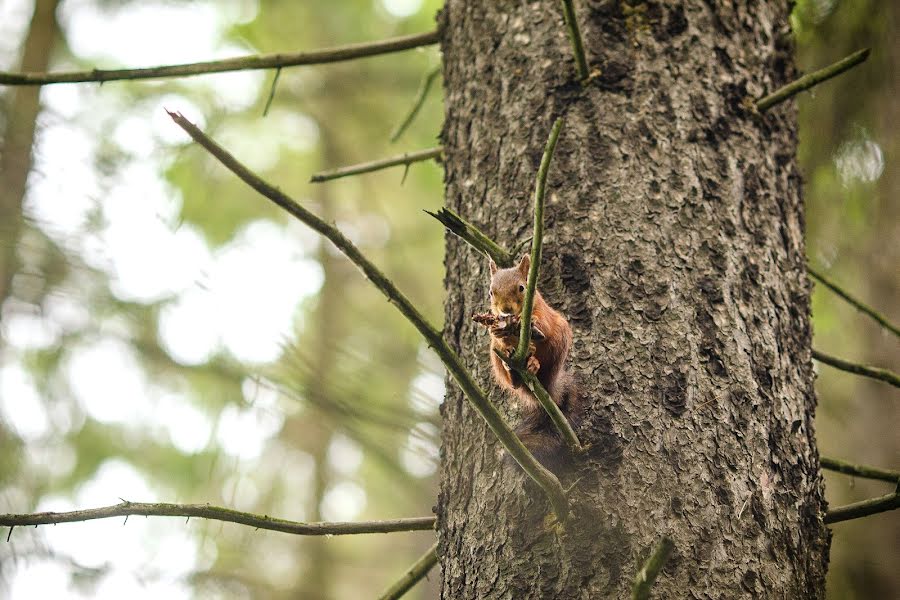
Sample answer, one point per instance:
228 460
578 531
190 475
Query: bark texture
674 244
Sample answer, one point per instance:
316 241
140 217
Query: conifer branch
865 508
517 361
645 578
537 242
810 79
473 236
216 513
543 397
416 572
857 369
858 304
419 100
407 159
473 392
581 63
245 63
859 470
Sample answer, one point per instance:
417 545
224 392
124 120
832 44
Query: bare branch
421 94
863 509
473 236
376 165
859 305
473 392
857 369
517 360
810 79
575 38
416 572
245 63
217 513
537 242
645 578
543 397
859 470
272 91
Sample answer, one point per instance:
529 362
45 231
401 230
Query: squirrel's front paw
533 365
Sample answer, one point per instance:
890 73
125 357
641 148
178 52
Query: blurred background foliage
849 156
168 335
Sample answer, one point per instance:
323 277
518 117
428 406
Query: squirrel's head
508 287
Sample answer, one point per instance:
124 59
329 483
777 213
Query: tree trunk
674 244
21 122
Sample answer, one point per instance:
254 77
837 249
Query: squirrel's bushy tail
539 434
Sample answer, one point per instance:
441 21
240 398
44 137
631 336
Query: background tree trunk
674 244
21 123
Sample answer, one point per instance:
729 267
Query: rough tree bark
674 244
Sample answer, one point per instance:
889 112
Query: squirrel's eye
490 292
521 288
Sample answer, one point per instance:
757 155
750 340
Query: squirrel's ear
493 266
524 265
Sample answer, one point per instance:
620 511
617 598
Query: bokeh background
170 336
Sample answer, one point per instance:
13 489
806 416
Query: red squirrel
549 349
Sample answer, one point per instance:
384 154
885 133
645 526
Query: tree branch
853 301
863 509
537 242
478 240
419 100
272 92
859 470
473 392
543 397
864 370
376 165
245 63
473 236
810 79
518 359
575 38
416 572
645 578
217 513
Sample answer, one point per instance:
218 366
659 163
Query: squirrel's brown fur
551 341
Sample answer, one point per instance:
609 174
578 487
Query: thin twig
859 305
376 165
575 38
473 236
244 63
537 242
645 578
859 470
857 369
421 94
217 513
473 392
272 91
810 79
416 572
863 509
